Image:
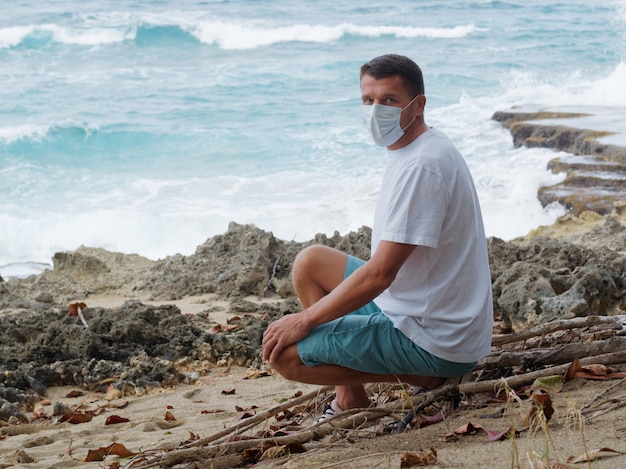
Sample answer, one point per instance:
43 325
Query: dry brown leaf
423 458
591 455
596 372
224 328
73 308
100 454
469 429
114 419
38 411
118 404
170 417
276 452
540 401
212 411
255 374
77 417
493 435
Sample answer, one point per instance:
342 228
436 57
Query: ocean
146 127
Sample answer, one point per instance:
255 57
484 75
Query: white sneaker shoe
329 411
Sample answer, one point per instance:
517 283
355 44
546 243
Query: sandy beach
165 418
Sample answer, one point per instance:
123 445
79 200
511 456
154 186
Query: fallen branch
527 378
551 356
604 402
252 421
346 420
555 326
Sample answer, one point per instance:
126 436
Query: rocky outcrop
594 179
547 279
575 272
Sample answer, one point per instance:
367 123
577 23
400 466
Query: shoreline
593 139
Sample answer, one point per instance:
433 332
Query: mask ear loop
414 117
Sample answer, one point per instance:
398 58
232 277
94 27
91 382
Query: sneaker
329 411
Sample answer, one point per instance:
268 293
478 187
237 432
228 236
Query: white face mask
383 122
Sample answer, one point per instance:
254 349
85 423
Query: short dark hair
389 65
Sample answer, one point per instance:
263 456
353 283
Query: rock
579 269
593 181
545 279
10 411
18 457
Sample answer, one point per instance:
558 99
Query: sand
218 398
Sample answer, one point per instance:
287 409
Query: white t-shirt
441 298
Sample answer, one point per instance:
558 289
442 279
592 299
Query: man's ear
421 102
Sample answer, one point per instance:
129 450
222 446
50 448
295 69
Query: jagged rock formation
595 172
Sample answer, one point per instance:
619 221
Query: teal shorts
366 340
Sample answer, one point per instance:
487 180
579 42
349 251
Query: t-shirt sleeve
416 207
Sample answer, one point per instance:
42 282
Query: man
420 310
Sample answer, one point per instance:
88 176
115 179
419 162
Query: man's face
388 91
391 91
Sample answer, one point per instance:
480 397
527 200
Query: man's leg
317 271
348 382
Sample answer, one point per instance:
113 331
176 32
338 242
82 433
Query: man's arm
365 284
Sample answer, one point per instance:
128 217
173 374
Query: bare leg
317 271
348 383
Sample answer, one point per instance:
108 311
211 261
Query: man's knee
319 265
307 259
288 363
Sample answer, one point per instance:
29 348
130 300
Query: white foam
12 36
14 133
21 270
86 36
231 35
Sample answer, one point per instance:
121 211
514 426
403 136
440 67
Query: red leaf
469 429
425 420
422 459
100 454
493 435
170 417
76 418
212 411
244 415
74 393
73 308
113 419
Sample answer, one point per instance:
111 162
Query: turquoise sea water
147 126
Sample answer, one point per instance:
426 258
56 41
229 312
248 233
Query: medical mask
383 122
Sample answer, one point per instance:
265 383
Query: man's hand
282 333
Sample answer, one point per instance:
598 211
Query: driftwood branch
261 417
551 356
527 378
346 420
555 326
